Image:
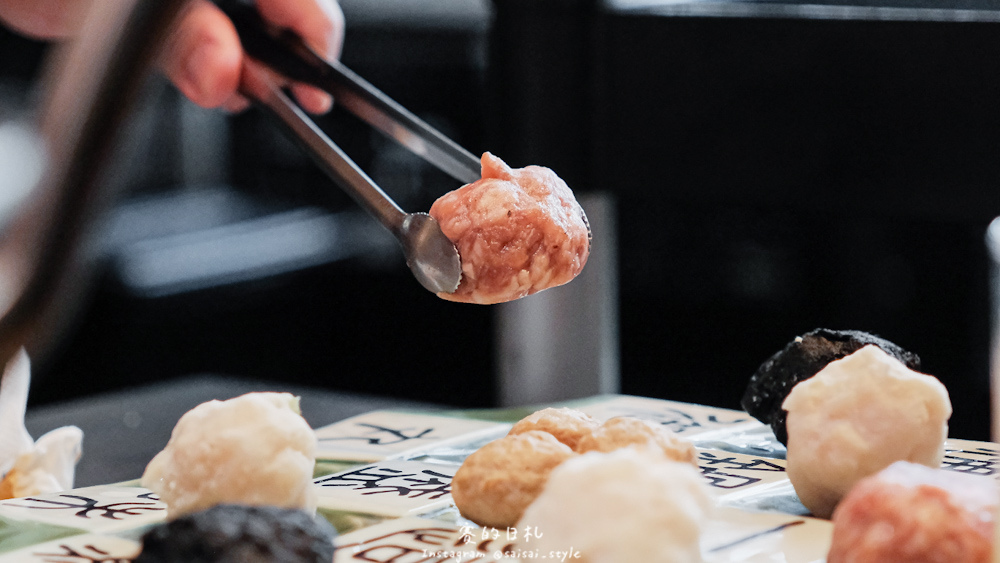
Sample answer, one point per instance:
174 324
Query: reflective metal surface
431 256
285 52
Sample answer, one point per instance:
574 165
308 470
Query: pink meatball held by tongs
518 231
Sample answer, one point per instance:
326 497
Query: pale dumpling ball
857 416
625 506
255 449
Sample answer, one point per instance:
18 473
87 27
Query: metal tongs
431 256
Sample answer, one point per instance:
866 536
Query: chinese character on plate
389 488
382 435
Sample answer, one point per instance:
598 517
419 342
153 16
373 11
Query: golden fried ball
624 431
498 481
569 426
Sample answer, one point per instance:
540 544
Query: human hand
202 57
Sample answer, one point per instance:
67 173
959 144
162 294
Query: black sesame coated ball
801 359
244 534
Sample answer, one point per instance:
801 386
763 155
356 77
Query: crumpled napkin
29 467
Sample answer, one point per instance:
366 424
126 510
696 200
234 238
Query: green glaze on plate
17 534
347 522
327 467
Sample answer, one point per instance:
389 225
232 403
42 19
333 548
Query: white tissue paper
28 467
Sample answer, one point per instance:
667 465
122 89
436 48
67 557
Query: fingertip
204 57
312 100
210 77
336 35
319 22
236 104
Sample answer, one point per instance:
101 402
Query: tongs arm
431 256
286 53
326 154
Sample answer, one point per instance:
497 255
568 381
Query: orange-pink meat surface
518 231
914 514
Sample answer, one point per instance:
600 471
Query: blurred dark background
773 168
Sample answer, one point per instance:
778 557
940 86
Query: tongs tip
430 254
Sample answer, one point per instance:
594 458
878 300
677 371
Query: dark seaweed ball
245 534
801 359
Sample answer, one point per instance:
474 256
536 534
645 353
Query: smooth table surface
123 430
